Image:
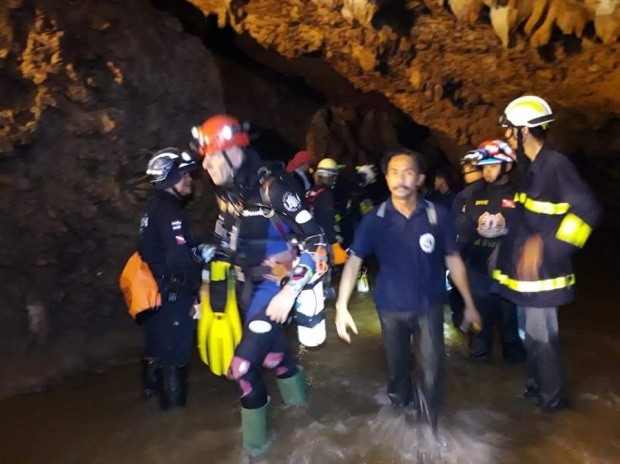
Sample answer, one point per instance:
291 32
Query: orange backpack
139 286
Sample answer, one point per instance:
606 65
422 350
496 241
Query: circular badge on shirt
492 225
427 243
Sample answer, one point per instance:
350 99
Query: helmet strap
227 159
520 147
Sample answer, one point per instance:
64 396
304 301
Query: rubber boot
255 430
172 386
149 379
295 390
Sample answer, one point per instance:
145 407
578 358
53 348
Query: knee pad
238 368
253 391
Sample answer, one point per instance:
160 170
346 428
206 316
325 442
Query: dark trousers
542 345
420 334
496 311
169 334
263 344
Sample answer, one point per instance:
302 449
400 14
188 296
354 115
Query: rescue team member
558 213
166 245
472 176
320 200
412 240
442 192
299 168
488 215
260 212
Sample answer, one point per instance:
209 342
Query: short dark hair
538 132
418 159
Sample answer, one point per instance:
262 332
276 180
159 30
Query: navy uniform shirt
166 242
410 253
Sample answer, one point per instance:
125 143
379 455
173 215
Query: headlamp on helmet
220 133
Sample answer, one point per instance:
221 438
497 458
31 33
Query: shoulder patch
291 202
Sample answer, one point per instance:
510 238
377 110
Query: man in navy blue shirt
413 241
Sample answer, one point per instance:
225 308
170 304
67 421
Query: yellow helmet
327 166
527 111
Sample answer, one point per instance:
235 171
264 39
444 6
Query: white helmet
527 111
367 174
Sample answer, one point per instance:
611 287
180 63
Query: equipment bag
139 287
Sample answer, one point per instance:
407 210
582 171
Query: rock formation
87 90
453 65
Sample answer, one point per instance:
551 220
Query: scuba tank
309 315
362 282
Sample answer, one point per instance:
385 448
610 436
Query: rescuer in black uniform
487 217
166 245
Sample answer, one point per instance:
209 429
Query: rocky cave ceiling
452 65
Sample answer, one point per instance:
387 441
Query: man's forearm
348 279
458 274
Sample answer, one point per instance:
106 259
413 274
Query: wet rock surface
88 90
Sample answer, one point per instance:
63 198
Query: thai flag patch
508 203
176 225
180 239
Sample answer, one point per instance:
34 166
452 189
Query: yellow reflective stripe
574 230
534 286
541 207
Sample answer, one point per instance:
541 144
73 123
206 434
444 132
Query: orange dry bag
139 286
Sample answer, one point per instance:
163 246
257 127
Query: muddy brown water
99 419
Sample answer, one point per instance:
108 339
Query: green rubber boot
295 390
255 432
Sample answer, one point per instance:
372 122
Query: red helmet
219 133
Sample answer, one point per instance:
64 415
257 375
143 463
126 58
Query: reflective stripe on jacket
556 204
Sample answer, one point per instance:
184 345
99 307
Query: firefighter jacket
555 204
487 217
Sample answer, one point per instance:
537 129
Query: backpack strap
381 210
266 179
431 212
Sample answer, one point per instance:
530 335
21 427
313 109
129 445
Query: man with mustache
413 241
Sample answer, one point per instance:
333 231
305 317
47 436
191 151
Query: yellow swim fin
221 346
204 323
220 332
232 310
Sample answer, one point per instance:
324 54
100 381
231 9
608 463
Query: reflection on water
99 419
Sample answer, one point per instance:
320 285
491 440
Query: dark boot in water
172 385
149 379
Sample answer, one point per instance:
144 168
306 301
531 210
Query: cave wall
88 90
